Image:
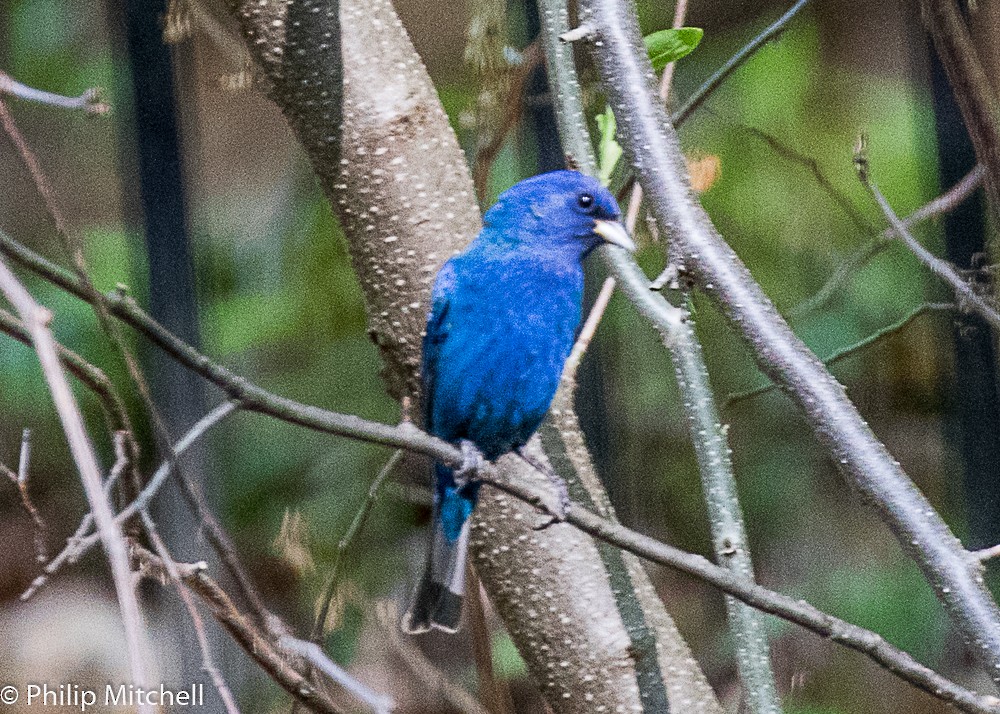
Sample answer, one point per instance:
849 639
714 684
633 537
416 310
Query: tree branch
964 292
36 319
253 641
707 434
91 101
82 541
900 663
651 145
975 95
720 75
944 203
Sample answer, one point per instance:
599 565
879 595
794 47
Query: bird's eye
586 201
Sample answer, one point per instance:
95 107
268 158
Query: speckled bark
584 617
398 183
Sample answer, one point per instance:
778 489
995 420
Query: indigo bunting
503 319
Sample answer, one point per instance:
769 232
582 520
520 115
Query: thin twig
589 328
971 84
69 554
25 457
216 534
36 319
342 546
91 376
652 146
720 75
964 292
846 352
207 663
798 611
986 553
91 101
258 645
809 162
81 542
115 303
311 652
74 249
848 269
20 481
250 396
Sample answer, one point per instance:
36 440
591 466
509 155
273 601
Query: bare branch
711 447
847 270
589 328
859 346
71 552
986 553
81 542
36 319
311 652
93 378
666 79
20 481
25 457
91 101
352 530
975 95
651 145
199 627
798 611
964 292
720 75
253 641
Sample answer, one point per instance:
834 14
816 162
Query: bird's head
562 211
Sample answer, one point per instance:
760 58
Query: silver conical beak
614 232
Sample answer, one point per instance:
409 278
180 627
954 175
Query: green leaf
668 46
507 662
608 150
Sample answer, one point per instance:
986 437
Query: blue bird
503 319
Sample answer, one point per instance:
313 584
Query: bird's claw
559 513
472 461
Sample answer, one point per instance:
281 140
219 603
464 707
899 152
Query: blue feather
503 319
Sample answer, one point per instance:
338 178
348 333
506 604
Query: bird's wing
434 336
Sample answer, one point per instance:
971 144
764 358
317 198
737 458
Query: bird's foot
557 514
472 461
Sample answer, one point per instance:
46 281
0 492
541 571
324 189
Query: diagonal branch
651 145
963 289
253 641
412 439
975 95
36 319
944 203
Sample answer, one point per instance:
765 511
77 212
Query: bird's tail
437 601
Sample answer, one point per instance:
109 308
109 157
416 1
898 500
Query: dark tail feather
437 601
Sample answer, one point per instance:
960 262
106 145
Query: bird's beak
614 232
